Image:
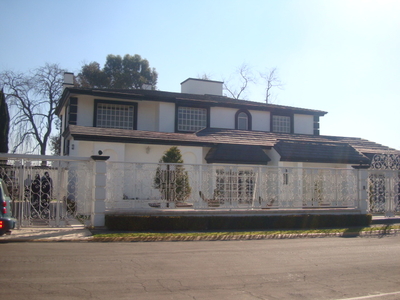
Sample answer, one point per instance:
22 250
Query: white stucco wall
160 116
303 124
153 153
326 165
116 151
142 153
202 87
148 116
166 117
261 120
85 110
222 117
274 156
145 153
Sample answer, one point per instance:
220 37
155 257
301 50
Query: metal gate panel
384 184
47 190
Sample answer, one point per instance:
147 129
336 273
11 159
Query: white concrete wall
303 124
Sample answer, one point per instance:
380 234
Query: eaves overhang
161 96
154 137
133 140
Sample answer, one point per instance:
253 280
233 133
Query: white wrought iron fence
132 186
52 190
384 184
384 192
47 190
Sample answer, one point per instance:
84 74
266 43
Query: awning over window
237 154
321 152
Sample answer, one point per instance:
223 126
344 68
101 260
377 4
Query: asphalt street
307 268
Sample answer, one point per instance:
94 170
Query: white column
362 189
99 193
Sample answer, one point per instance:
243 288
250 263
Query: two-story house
209 128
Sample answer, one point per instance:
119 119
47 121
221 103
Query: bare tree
33 99
55 140
246 77
4 123
204 76
240 82
271 80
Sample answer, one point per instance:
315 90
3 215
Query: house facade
208 128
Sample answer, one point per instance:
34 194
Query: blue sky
340 56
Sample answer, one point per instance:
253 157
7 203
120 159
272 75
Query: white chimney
68 79
201 87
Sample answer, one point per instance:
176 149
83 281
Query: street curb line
177 238
243 237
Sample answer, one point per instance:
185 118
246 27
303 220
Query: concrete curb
78 233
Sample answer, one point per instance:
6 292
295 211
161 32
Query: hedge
209 223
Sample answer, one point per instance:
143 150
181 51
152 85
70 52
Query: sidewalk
76 232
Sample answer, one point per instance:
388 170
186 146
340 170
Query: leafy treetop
129 72
173 155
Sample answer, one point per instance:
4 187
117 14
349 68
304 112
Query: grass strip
147 236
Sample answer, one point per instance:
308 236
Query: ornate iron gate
384 184
47 190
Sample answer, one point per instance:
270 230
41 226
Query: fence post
362 190
97 218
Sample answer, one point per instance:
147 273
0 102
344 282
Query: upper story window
191 119
243 120
281 124
115 115
71 114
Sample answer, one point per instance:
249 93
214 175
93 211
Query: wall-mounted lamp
148 149
73 146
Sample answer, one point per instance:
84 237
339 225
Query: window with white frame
281 124
191 119
243 121
110 115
